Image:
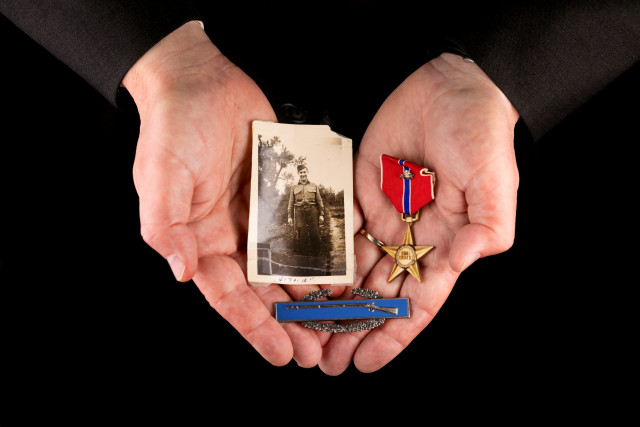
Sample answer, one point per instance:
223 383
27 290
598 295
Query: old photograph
301 212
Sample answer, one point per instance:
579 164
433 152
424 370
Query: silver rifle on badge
371 306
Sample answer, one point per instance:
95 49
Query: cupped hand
192 173
447 116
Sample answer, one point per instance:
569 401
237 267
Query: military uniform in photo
305 213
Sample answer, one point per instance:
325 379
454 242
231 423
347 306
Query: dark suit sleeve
548 58
99 40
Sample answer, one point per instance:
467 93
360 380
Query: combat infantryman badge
409 187
368 313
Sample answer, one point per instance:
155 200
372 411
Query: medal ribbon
407 185
406 190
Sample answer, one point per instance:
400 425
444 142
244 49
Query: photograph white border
326 165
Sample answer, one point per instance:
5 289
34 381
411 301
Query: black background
93 318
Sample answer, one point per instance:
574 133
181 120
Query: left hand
447 116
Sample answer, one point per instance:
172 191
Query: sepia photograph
301 213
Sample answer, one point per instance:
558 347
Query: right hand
192 173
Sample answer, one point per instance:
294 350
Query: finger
338 353
367 256
384 343
365 249
222 283
165 189
307 344
374 267
296 293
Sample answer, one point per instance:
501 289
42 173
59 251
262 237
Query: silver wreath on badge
349 327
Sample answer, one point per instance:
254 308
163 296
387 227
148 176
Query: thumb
474 241
165 190
492 217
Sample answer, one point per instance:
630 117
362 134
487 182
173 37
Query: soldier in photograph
305 213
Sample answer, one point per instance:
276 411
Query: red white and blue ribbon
408 191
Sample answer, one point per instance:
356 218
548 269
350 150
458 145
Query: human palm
192 174
449 117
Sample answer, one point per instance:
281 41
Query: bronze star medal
407 254
409 187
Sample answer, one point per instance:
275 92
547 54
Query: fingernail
177 266
473 258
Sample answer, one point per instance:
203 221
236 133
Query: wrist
457 66
161 68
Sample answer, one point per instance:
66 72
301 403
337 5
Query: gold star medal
407 254
409 187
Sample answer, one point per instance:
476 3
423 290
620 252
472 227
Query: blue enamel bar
299 311
406 190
